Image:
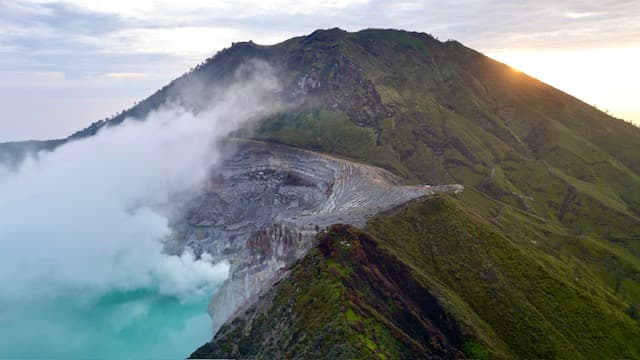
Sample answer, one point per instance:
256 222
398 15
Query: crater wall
263 208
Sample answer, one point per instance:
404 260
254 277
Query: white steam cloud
90 217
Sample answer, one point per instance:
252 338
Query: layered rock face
346 299
263 208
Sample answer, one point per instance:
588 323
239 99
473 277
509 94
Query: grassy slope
540 301
347 299
432 277
452 114
455 115
556 192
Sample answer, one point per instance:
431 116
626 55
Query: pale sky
67 63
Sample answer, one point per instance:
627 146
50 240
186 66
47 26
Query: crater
262 209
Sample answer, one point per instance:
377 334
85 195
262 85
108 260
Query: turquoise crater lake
139 324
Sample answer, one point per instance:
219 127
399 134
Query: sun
604 77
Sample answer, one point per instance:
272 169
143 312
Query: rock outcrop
347 299
265 205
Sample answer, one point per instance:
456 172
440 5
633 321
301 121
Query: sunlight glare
605 77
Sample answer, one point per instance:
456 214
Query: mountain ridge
556 177
550 181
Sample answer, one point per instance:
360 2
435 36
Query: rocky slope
264 206
371 307
430 279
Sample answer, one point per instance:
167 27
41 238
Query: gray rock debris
262 210
308 83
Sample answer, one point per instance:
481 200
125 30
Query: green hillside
435 279
540 257
541 303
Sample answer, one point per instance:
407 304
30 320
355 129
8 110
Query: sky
67 63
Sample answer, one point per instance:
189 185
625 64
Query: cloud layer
87 41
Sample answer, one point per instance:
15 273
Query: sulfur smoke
82 227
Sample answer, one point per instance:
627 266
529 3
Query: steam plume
89 218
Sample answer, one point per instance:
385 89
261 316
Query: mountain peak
542 244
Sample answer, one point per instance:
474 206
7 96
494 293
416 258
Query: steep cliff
365 304
432 279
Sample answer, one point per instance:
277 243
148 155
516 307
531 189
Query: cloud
100 201
125 75
90 34
162 39
487 24
53 105
170 10
186 41
574 15
90 218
